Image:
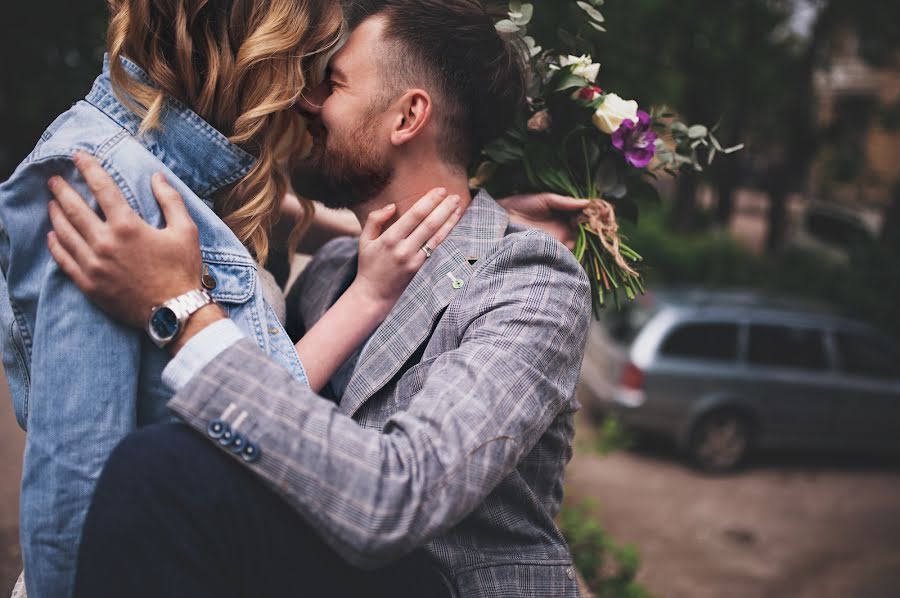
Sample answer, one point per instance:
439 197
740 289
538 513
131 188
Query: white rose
584 66
609 116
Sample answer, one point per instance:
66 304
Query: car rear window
785 346
703 340
866 356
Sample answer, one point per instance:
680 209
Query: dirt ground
786 527
795 528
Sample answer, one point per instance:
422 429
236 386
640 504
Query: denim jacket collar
190 147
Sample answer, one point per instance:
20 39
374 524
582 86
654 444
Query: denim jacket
80 381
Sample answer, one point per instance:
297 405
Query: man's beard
343 173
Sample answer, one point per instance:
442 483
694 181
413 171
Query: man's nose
311 101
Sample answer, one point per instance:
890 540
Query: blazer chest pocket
228 281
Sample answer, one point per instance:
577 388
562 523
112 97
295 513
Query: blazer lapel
439 281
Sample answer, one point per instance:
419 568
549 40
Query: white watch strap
189 303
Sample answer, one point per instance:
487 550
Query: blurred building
859 111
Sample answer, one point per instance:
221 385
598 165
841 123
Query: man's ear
414 114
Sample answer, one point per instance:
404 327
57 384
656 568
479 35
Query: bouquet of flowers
580 140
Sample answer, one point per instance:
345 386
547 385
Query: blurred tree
877 26
50 52
890 230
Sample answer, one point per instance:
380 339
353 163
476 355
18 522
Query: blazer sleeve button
227 436
216 428
250 454
238 443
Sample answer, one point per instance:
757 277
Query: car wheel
720 441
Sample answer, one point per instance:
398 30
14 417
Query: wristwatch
168 320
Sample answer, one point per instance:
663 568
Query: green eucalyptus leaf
616 192
523 17
679 127
591 11
598 27
507 26
698 132
533 48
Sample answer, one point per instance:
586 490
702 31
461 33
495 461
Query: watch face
164 323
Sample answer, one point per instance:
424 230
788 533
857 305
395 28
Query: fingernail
53 183
78 157
441 191
455 200
158 177
390 207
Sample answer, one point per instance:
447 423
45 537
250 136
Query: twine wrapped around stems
600 217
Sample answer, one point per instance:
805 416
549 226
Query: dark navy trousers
174 516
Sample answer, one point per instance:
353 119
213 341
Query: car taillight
632 377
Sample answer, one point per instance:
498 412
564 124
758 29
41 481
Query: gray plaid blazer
456 426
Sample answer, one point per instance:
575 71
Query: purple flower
636 140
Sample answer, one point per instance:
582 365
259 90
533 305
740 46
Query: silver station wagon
722 374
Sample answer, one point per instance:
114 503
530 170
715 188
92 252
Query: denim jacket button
208 280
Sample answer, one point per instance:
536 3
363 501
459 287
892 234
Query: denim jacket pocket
228 280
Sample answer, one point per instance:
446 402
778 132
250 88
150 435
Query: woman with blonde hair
195 95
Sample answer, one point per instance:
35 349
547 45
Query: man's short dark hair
477 76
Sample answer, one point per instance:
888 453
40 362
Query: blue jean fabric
79 381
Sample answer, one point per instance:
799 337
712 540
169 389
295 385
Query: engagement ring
428 250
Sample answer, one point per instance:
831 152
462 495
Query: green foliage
608 568
613 436
864 287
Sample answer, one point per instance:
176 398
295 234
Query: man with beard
436 466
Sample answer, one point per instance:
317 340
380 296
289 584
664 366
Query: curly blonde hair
240 65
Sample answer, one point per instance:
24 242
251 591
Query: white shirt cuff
198 352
